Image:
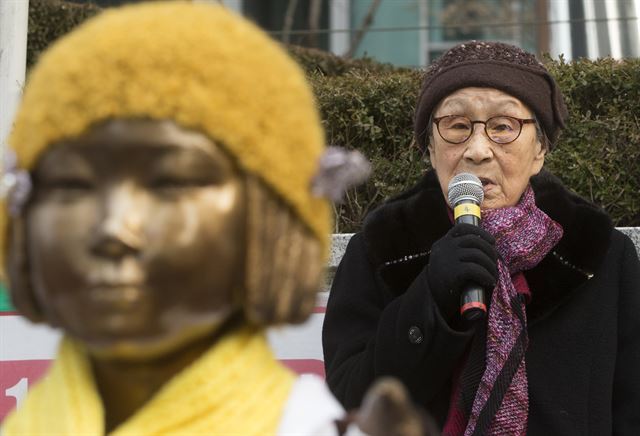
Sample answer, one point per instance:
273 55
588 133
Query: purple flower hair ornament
338 170
15 183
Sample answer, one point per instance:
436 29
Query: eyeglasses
456 129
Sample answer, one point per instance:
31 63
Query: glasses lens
503 129
455 129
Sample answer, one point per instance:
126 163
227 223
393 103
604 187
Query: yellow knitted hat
197 64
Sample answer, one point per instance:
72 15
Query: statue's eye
68 184
174 183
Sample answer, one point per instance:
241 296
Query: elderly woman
559 350
171 148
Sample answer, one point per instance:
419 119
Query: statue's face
136 237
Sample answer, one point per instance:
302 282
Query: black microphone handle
468 219
473 306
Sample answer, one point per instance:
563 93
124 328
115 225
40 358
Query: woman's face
504 169
136 237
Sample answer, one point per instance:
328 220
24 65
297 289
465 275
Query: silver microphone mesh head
465 186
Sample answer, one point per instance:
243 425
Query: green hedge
599 153
50 19
369 106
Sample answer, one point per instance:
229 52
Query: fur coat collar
399 234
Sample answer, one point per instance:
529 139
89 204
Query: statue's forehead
124 137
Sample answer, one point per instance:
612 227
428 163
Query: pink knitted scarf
524 235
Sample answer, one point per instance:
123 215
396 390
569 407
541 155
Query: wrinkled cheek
496 197
448 164
513 191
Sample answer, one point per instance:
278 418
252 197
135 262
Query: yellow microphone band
466 209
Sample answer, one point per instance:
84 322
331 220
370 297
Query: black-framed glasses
502 129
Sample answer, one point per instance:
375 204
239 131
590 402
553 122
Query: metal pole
14 18
339 19
423 34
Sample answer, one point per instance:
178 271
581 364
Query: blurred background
414 32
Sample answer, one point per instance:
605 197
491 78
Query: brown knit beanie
492 65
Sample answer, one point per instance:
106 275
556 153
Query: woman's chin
493 202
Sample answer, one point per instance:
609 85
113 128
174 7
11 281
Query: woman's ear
18 272
429 155
541 151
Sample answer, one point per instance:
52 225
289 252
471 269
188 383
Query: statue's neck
126 386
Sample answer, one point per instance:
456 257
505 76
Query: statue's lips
117 295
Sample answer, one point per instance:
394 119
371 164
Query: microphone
465 196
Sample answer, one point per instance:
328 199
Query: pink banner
17 377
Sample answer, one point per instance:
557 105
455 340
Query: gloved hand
466 254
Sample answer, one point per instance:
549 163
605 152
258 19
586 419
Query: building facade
414 32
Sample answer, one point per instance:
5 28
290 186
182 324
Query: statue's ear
20 289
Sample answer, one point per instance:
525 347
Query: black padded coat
583 359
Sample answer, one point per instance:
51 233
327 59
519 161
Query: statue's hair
284 263
20 287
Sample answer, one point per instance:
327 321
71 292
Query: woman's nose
120 229
479 146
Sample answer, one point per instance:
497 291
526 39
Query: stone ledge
339 243
634 234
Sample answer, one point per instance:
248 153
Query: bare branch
364 27
315 9
288 20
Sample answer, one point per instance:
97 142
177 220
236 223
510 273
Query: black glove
466 254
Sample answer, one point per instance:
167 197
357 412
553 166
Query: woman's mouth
487 184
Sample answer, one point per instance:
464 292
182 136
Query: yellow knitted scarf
236 388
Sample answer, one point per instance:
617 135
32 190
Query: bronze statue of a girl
171 149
